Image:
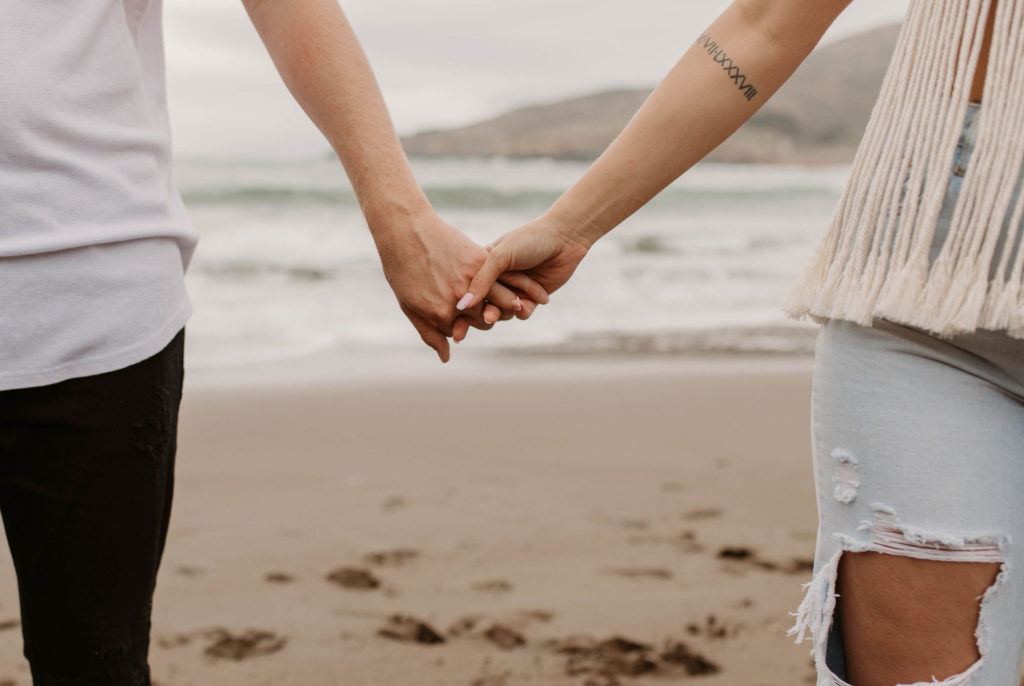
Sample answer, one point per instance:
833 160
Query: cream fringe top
874 260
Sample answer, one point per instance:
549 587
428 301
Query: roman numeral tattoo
728 66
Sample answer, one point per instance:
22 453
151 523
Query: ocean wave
475 197
240 270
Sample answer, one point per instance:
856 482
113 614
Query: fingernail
466 301
517 306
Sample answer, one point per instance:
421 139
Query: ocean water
286 267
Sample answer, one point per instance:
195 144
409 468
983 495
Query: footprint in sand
617 656
391 558
797 565
659 573
278 578
354 578
409 629
504 637
501 635
693 663
505 633
735 553
243 646
712 628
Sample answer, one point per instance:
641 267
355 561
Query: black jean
86 478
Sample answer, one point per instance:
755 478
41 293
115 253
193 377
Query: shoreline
355 370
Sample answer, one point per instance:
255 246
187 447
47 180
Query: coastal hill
818 116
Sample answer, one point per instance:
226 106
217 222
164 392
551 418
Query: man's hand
543 250
430 264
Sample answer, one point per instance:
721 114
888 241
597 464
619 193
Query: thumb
496 265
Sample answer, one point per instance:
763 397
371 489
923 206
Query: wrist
572 226
392 217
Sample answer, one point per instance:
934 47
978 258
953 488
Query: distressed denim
918 446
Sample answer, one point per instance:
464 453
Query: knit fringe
875 260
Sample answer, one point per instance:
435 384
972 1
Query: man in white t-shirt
94 242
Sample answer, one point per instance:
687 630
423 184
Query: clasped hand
446 283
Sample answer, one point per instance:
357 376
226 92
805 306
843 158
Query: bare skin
905 620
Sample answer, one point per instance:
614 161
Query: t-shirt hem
125 357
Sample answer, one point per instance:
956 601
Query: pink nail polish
466 301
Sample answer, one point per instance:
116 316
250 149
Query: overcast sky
440 62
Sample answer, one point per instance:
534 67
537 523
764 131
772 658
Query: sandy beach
642 527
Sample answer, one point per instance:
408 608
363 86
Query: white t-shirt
94 238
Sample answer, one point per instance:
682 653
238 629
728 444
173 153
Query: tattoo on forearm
728 65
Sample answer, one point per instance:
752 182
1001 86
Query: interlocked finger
503 303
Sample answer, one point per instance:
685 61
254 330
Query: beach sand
585 529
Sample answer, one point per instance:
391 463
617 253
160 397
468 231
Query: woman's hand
429 265
544 251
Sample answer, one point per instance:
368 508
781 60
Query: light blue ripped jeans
918 449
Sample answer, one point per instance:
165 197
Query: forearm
721 81
323 65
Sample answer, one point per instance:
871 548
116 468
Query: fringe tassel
875 260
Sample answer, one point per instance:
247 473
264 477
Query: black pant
86 477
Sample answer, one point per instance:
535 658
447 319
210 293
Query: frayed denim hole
818 618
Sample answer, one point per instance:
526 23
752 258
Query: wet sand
593 530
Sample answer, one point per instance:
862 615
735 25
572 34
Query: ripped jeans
918 448
919 451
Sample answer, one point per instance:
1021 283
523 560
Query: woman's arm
722 80
424 259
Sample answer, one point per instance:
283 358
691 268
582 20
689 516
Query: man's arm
323 65
727 74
